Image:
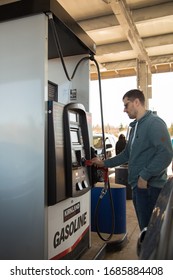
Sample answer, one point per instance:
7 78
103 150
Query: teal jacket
150 153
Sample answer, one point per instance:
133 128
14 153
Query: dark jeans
144 201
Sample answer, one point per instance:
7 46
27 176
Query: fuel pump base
111 246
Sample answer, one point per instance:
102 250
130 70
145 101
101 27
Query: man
148 153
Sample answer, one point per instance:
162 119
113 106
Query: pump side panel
69 228
80 83
23 58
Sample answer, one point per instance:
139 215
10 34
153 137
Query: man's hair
133 94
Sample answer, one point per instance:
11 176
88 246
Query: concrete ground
128 249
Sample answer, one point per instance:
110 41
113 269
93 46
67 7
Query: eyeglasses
126 105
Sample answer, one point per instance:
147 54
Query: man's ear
137 102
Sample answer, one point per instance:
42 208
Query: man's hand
97 161
142 184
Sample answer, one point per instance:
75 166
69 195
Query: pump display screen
73 117
74 133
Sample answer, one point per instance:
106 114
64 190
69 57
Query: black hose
105 156
101 105
58 46
96 215
59 50
82 59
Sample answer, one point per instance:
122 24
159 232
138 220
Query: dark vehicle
156 241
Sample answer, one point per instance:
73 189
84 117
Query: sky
113 91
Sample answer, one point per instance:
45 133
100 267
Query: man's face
130 108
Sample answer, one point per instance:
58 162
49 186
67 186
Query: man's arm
121 158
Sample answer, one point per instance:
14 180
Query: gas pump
69 181
76 148
68 146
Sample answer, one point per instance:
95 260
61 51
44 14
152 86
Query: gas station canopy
127 31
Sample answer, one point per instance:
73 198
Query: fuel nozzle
85 162
88 162
102 172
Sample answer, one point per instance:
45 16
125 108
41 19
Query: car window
97 142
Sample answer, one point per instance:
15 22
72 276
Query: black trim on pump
80 110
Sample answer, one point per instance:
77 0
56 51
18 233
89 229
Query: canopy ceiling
126 31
